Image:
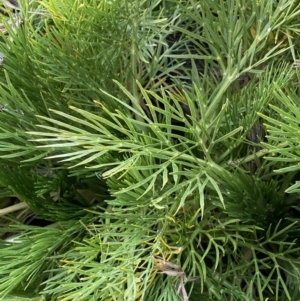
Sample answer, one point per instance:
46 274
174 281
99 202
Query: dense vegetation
150 150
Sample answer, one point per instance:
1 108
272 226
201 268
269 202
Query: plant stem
13 208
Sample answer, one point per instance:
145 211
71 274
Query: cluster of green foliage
140 201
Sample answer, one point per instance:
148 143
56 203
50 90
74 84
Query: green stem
259 154
217 97
134 61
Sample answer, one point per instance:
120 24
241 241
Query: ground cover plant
149 150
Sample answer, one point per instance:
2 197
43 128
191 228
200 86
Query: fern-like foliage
157 142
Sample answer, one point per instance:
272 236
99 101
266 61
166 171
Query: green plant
134 129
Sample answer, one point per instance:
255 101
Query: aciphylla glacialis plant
149 150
